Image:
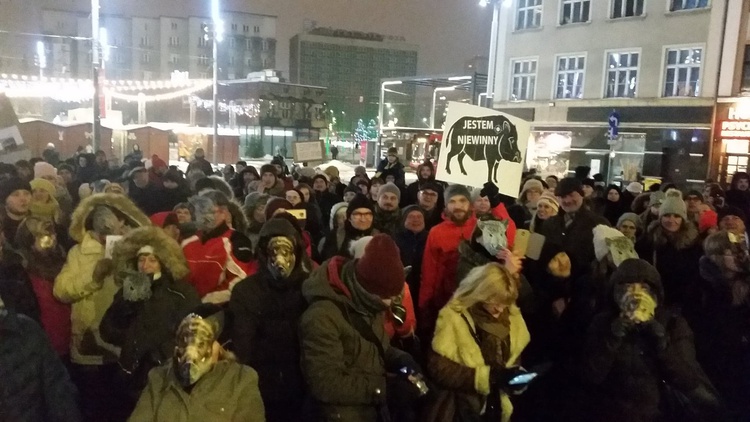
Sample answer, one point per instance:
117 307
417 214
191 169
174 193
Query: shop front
731 141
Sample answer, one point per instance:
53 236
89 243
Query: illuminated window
622 75
683 72
529 14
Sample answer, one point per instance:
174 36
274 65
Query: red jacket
55 315
441 261
214 267
410 324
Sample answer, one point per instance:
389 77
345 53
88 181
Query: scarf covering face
364 302
195 340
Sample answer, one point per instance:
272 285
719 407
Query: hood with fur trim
166 249
135 217
683 239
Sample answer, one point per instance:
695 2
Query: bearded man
267 308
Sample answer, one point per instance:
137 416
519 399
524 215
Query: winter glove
103 268
491 191
621 326
136 286
656 334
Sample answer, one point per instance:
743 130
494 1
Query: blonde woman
478 340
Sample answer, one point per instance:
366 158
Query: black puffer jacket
15 287
35 386
266 315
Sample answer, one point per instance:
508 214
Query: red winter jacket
410 324
441 261
55 315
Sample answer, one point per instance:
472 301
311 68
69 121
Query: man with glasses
428 199
360 216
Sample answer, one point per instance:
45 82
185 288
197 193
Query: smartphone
521 242
535 245
523 378
298 214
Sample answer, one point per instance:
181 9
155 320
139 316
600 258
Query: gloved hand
656 334
136 287
103 268
621 326
401 393
491 191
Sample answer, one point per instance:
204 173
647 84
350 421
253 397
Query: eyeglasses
362 215
429 193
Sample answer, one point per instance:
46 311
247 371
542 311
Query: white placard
481 145
309 151
109 245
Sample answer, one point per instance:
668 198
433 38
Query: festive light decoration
251 110
161 97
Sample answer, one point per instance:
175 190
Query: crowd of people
143 293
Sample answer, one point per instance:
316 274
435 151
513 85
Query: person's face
628 229
173 231
743 184
571 202
169 184
482 205
374 190
248 177
732 224
259 214
361 219
671 223
363 189
458 209
613 196
306 194
707 192
148 264
427 199
693 203
551 182
18 202
544 211
293 197
388 201
494 308
101 159
320 185
348 196
24 172
66 176
587 191
390 179
40 195
414 222
141 178
425 172
391 158
532 196
221 216
239 168
183 215
279 169
82 162
560 265
268 180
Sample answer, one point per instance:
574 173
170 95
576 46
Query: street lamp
96 64
218 34
380 114
493 70
434 100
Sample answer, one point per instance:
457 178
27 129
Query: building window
570 73
248 44
626 8
622 75
174 26
174 41
231 42
174 59
146 58
523 80
256 29
575 11
234 27
231 60
245 28
688 4
265 45
683 72
203 60
529 14
145 42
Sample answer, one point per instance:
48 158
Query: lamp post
96 64
434 101
217 36
493 71
381 117
41 55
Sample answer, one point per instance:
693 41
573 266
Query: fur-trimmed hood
135 217
166 249
685 238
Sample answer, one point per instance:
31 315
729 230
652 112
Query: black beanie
359 201
11 185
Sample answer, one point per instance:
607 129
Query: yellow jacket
454 341
89 300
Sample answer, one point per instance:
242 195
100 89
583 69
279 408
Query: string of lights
251 110
160 97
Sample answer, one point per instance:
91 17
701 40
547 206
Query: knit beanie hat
601 234
635 188
7 187
276 204
307 172
632 217
708 220
730 210
549 199
532 184
673 204
331 171
269 168
44 185
637 271
390 188
320 176
569 185
44 169
357 248
379 271
359 201
454 190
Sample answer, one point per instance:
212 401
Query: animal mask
281 258
493 237
636 301
621 248
136 286
194 349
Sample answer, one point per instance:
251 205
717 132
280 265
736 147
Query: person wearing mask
218 256
634 347
323 196
391 165
523 210
425 174
441 255
430 201
202 381
614 206
387 213
152 301
629 224
15 197
479 337
86 283
51 155
572 226
36 386
721 336
671 245
546 208
200 163
43 259
267 307
346 353
145 194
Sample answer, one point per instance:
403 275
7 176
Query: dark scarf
364 302
45 265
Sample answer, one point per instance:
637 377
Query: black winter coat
145 330
15 287
412 247
35 386
266 316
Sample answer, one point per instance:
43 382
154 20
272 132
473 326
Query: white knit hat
635 188
601 234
